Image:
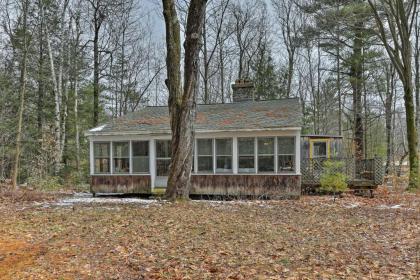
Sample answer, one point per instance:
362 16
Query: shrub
333 179
48 183
77 181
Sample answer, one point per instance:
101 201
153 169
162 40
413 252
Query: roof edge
157 132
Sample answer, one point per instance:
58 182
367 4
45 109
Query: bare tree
289 17
417 71
24 43
385 85
248 20
100 9
213 39
181 100
395 20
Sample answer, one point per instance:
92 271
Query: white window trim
213 145
238 155
216 155
160 158
131 157
235 152
294 156
273 155
235 162
93 172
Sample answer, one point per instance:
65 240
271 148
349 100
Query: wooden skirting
120 184
273 186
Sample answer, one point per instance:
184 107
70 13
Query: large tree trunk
399 21
182 101
389 75
22 89
58 90
356 76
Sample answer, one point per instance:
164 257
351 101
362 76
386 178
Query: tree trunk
338 84
22 89
290 69
41 87
222 72
206 67
356 72
389 75
63 136
417 75
96 76
411 135
182 102
400 23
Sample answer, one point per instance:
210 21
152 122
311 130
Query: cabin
245 148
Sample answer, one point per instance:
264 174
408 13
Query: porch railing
371 171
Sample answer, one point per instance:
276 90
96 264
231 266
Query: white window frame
109 157
132 156
216 155
293 155
213 145
253 155
160 158
266 155
128 157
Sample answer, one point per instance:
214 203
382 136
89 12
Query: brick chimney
243 90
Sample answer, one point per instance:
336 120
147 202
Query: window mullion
130 158
256 154
111 157
214 155
275 155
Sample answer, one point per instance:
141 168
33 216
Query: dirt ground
311 238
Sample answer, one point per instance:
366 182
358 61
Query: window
319 149
286 153
121 157
163 157
205 155
246 158
266 154
223 155
101 157
140 151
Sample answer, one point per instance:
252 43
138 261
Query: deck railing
369 170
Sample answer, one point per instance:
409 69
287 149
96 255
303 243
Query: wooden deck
361 174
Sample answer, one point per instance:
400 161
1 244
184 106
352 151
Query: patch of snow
86 198
98 128
397 206
352 205
228 203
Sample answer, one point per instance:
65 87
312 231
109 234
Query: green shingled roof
270 114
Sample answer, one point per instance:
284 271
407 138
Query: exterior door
163 159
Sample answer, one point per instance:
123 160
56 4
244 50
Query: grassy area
311 238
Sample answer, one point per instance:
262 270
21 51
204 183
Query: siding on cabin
270 185
139 184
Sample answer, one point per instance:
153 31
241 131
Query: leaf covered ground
310 238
